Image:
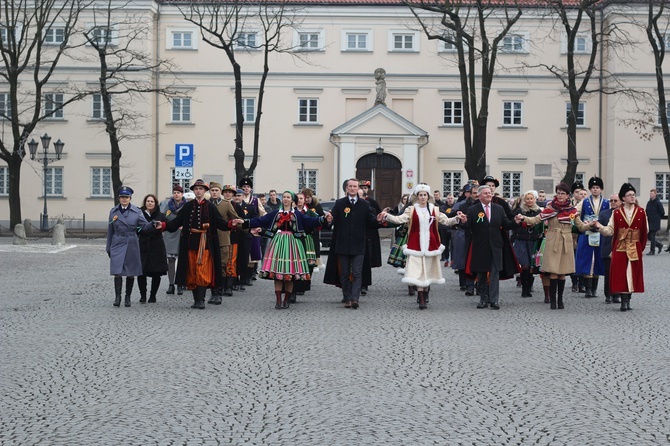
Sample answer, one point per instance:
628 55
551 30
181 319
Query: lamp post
380 152
32 146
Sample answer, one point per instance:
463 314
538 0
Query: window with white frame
185 183
54 181
514 43
53 105
4 180
307 179
249 109
182 39
453 112
98 107
582 44
309 40
667 112
452 182
308 110
406 41
5 106
246 40
4 35
55 35
101 181
356 40
579 178
579 116
512 113
511 184
102 35
663 185
181 109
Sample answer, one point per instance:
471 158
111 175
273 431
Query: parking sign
183 155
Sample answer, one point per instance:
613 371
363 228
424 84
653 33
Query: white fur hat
422 188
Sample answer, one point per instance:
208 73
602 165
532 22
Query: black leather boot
170 289
228 286
594 286
426 292
142 285
580 281
294 297
561 288
553 289
155 284
287 300
422 300
616 298
212 298
410 290
202 293
129 290
628 308
195 299
624 306
118 285
608 299
587 287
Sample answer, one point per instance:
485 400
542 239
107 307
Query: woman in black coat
152 251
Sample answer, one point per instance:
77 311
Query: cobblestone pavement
77 371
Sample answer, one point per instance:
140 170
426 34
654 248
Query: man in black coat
353 218
484 224
606 247
655 212
373 249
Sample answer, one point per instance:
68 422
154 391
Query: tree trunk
573 162
14 168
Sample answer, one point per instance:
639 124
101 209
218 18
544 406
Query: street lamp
379 149
32 146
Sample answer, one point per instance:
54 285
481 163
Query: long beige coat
559 250
228 213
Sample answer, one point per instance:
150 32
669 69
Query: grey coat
171 239
123 247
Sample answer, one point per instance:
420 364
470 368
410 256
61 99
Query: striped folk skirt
285 259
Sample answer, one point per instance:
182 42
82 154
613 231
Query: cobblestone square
77 371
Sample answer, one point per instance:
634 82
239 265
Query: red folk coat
628 240
435 246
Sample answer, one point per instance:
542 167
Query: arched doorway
385 172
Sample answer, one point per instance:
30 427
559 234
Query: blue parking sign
183 155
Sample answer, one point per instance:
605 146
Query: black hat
246 181
595 181
490 179
125 191
576 185
625 188
199 182
467 188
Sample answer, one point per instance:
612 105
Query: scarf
525 209
565 212
174 207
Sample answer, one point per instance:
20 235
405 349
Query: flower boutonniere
116 217
313 210
246 212
167 214
346 212
572 218
481 217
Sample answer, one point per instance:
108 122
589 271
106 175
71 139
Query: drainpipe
600 100
337 174
157 75
418 159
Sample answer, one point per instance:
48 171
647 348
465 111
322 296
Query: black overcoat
152 248
486 237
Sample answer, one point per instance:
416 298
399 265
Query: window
309 40
511 184
308 110
54 181
667 112
356 40
53 105
5 106
4 180
514 43
246 41
403 41
453 113
180 181
580 114
249 109
98 108
101 36
181 110
3 36
662 185
55 35
452 182
582 44
579 177
512 113
101 182
307 178
449 46
182 39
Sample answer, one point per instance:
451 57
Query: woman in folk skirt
424 246
285 259
302 286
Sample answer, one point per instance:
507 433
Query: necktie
488 212
353 202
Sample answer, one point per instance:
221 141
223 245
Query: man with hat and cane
227 211
199 267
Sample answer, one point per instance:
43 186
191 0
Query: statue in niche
380 82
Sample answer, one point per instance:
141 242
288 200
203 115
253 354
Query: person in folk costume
123 247
558 259
588 261
251 208
227 211
525 242
171 208
238 237
629 228
199 267
424 246
152 251
312 203
606 248
302 286
352 218
396 257
285 260
373 246
578 192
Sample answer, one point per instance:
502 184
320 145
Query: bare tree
466 27
127 74
33 38
226 25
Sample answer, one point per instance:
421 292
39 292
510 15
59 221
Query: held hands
519 218
595 225
237 221
381 216
255 231
158 224
461 217
329 217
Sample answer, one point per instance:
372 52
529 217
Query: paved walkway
77 371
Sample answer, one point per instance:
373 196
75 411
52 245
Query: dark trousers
489 288
606 263
351 268
445 235
653 244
